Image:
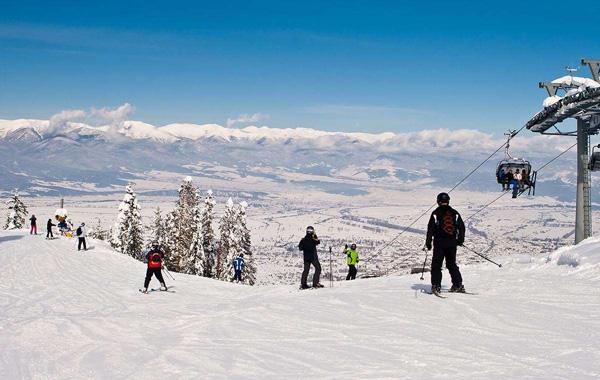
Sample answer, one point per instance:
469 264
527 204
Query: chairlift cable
458 184
512 135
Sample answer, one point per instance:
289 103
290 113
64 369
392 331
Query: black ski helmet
310 230
353 246
443 198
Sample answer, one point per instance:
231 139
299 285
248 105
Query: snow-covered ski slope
78 315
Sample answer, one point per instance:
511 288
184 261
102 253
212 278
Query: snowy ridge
431 139
530 319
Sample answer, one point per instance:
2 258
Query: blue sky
334 65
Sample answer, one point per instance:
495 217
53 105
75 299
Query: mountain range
51 157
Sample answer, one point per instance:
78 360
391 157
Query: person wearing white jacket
81 234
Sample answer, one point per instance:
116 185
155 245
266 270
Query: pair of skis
438 294
168 290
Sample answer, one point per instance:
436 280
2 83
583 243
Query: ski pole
169 273
330 269
485 257
424 262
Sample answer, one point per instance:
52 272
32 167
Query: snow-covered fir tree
182 226
157 230
17 213
127 236
195 261
98 231
208 234
229 243
249 275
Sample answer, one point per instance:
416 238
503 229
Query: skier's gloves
428 246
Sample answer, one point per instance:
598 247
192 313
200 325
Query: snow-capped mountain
48 155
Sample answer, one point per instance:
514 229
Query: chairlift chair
594 163
512 164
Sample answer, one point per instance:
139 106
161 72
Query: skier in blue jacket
238 266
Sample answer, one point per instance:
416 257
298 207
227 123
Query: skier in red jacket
155 259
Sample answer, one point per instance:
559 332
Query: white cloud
113 116
247 118
93 117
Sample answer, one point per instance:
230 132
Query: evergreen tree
182 227
229 243
157 230
249 275
127 236
196 261
208 234
17 213
98 232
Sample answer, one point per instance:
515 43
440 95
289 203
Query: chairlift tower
584 107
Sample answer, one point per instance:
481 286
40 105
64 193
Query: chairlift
594 163
512 164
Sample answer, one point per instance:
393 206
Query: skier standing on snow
351 260
155 259
33 221
238 266
81 233
308 245
447 231
49 225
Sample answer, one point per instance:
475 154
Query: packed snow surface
70 315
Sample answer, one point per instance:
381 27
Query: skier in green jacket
351 260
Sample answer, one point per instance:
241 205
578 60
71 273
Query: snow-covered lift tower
581 102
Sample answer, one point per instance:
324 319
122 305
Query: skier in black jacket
49 226
308 245
447 230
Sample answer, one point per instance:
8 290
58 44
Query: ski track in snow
69 315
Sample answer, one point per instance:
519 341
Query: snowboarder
447 231
33 221
81 234
308 245
351 260
155 258
238 266
49 225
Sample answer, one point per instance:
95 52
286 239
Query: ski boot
163 287
304 286
436 289
457 289
145 291
318 286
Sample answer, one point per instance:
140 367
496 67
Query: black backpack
78 232
446 224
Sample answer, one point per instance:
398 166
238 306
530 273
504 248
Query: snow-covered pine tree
229 243
208 234
182 227
157 230
249 275
98 232
195 261
127 236
17 213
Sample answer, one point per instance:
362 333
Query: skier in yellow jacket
351 260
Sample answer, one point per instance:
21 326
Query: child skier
238 266
155 259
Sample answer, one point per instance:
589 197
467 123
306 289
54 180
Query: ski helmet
443 198
310 230
353 246
155 243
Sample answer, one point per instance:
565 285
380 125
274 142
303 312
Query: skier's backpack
79 232
155 260
447 224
